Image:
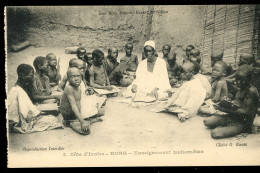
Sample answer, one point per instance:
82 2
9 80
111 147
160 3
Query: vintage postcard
149 85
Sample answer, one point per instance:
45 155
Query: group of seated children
231 102
80 104
91 77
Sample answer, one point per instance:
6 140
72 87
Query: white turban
150 43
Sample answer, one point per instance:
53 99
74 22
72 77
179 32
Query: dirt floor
125 129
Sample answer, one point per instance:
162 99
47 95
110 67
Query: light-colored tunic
24 116
146 81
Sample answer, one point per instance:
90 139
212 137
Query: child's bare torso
65 106
99 75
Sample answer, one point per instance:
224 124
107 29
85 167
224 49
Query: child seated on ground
173 68
23 116
195 57
79 64
53 69
166 50
81 53
188 50
110 61
187 99
41 91
217 55
98 76
245 59
89 61
132 59
239 119
219 88
256 74
71 103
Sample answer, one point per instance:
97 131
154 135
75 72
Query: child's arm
231 76
219 88
41 98
246 109
62 84
69 92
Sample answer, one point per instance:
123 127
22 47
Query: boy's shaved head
112 50
71 61
77 62
97 53
217 55
39 61
247 57
195 52
129 45
73 70
166 46
223 65
189 66
243 76
50 55
24 69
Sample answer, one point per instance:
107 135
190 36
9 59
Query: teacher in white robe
151 75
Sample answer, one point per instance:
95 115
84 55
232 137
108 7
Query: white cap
150 43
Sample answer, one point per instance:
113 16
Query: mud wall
104 26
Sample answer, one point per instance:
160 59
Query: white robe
205 83
189 97
146 81
20 110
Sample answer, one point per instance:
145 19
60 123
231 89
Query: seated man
151 76
166 50
238 119
173 68
219 88
23 116
41 90
71 103
186 101
144 56
53 69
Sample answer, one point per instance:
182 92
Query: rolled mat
71 50
76 126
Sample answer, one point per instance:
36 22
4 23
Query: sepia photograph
132 85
